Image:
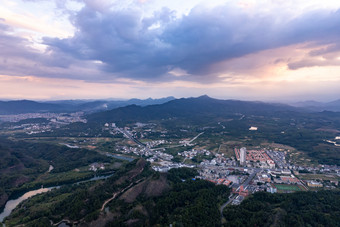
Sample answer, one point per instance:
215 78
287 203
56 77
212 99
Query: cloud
13 48
326 55
204 45
19 58
132 45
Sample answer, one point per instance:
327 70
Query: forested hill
22 163
202 107
134 196
296 209
137 196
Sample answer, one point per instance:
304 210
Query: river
13 203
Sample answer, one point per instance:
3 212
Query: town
245 169
42 122
246 172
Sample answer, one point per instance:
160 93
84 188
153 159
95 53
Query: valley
286 147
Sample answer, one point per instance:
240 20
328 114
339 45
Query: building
314 184
95 166
272 190
241 191
286 172
265 178
271 164
243 155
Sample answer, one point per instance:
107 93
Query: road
180 145
221 125
195 137
136 141
227 203
251 176
245 184
132 138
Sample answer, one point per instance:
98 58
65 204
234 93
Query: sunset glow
250 50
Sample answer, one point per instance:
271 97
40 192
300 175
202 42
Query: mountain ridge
189 108
312 105
29 106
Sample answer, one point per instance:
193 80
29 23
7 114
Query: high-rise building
243 155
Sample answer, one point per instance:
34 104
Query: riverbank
12 203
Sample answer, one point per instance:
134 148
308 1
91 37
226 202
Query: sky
269 50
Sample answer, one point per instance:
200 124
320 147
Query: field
288 187
227 150
322 177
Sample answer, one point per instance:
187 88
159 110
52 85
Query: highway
132 138
181 145
195 137
136 140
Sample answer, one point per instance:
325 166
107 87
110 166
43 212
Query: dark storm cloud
121 40
148 48
322 29
132 45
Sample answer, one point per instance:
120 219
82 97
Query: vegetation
77 201
304 131
221 121
189 204
296 209
172 198
137 196
24 166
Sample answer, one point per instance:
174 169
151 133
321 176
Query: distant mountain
319 106
199 108
27 106
307 103
108 105
334 103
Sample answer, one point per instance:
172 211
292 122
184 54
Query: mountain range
200 108
174 107
319 106
28 106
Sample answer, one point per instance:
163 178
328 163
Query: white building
243 155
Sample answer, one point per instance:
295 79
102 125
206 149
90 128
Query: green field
288 187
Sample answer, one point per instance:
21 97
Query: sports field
288 187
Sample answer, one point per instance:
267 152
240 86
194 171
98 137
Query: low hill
134 196
137 196
22 162
295 209
27 106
